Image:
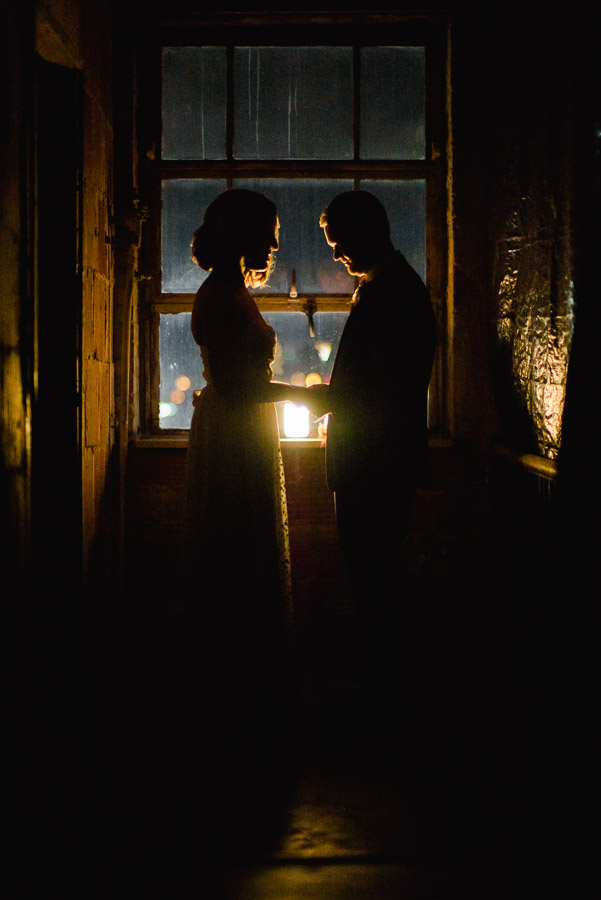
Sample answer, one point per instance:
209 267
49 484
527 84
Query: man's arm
318 400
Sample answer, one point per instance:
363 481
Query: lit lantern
296 421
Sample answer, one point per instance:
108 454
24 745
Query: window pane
302 244
293 103
405 203
303 247
392 103
194 102
301 359
298 357
184 204
180 370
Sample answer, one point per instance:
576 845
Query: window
300 114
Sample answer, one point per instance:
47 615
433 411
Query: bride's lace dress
237 527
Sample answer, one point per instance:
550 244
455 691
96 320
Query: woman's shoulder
217 296
223 304
219 289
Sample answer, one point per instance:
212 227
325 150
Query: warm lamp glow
296 421
313 378
177 396
182 383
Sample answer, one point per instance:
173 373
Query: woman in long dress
238 552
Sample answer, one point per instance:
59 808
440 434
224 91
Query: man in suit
377 442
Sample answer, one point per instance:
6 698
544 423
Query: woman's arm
231 361
276 391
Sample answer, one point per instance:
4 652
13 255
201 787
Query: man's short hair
357 213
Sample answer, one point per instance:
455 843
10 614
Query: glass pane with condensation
180 370
303 360
194 102
293 103
393 96
299 356
303 249
184 204
405 203
299 359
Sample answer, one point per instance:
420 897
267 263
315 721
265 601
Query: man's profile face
347 250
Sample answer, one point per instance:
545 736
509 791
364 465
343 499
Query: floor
420 805
329 813
463 792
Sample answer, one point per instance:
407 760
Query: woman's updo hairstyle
230 226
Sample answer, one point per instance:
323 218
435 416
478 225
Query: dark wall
526 126
524 103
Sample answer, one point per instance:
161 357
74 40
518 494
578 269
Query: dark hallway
458 793
130 773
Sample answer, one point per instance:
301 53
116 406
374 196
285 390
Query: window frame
300 29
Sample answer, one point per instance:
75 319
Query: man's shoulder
398 281
400 269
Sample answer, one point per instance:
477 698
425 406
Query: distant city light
166 410
312 378
324 350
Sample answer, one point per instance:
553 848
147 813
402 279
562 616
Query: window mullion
294 168
356 106
229 130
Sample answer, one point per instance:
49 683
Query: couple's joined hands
317 399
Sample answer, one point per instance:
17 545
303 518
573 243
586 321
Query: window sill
180 442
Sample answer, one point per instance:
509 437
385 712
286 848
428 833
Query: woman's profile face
259 254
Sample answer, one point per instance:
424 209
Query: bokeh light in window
299 359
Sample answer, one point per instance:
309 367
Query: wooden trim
295 168
178 440
169 303
335 18
530 462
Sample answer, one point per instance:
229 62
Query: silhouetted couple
376 449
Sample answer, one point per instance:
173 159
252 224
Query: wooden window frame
290 29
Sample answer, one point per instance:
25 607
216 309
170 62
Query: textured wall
14 395
75 34
519 83
71 35
533 206
98 281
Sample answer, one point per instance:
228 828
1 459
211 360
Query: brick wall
14 388
97 324
78 35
